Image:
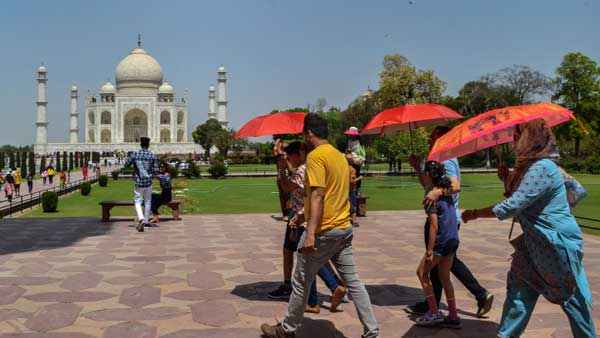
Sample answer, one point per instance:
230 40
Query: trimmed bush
49 201
115 174
103 180
217 170
127 171
86 188
173 171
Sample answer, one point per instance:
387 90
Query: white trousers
143 195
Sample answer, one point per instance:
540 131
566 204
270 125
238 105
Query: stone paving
207 276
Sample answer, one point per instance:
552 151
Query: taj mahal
141 104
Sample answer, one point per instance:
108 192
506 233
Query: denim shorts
445 249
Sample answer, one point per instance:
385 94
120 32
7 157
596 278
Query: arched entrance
135 125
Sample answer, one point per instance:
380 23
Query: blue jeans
519 305
329 280
324 273
334 245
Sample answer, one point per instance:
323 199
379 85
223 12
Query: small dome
42 69
221 69
108 88
165 88
73 88
211 88
139 69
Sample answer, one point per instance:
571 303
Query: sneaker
312 309
282 292
337 297
485 305
140 226
417 308
452 323
275 331
430 319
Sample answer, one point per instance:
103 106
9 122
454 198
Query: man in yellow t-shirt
328 234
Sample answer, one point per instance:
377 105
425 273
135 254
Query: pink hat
352 131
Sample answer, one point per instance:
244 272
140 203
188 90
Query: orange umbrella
492 128
273 124
410 117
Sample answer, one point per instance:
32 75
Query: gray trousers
334 245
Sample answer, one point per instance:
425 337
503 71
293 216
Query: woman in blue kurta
548 257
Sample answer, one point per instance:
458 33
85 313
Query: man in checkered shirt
146 166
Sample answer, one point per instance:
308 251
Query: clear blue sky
278 53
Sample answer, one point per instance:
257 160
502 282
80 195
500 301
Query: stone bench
107 205
361 202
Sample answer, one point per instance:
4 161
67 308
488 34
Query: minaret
74 116
42 108
211 103
222 99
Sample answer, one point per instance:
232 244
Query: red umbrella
410 117
273 124
494 127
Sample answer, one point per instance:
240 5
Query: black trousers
464 275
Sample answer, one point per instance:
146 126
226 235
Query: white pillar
211 102
42 108
222 97
74 116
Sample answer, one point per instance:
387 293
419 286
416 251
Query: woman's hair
437 171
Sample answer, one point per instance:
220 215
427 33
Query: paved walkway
39 186
206 276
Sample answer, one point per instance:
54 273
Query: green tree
578 88
42 164
2 159
205 135
65 162
523 83
223 140
70 161
23 165
402 83
11 160
57 164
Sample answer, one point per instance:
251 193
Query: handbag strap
512 226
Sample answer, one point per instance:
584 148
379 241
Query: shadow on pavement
470 328
321 328
259 290
394 295
22 235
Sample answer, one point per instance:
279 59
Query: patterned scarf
537 142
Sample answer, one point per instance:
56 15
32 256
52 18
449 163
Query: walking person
44 175
284 196
17 182
293 160
441 242
30 182
459 269
145 165
548 255
8 190
51 172
62 179
84 171
358 151
354 179
328 235
165 195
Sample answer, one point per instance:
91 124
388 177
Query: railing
28 201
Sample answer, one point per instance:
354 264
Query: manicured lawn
259 195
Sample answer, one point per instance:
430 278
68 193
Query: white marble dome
42 69
108 88
138 70
166 88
